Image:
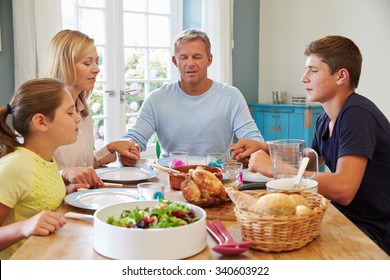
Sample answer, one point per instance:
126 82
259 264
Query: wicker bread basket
282 233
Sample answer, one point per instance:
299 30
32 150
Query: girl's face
86 70
64 128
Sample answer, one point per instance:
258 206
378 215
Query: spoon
223 248
301 170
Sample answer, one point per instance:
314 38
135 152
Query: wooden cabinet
283 121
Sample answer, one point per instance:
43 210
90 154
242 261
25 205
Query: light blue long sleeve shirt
196 124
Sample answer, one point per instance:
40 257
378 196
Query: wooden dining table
339 238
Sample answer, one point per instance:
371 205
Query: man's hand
245 147
129 152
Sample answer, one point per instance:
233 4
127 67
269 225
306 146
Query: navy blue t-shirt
361 129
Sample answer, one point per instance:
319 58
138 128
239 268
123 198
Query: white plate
125 174
192 160
95 199
254 177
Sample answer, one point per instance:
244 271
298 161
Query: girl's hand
43 223
75 187
86 177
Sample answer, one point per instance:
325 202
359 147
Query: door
276 125
133 39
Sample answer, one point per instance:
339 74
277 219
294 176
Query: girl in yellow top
43 113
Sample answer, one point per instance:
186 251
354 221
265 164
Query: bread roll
302 210
242 200
299 200
275 204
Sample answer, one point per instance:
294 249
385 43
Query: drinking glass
216 159
150 191
232 174
178 159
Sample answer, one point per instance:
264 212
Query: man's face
192 60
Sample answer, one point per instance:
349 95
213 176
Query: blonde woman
73 58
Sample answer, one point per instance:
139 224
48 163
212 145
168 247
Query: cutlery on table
301 170
78 216
106 185
113 185
163 168
229 241
223 248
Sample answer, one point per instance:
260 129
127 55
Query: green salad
164 215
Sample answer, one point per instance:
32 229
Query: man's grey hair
190 35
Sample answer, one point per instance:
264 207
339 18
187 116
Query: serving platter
192 160
125 174
98 198
248 176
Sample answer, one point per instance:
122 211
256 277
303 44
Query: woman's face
87 69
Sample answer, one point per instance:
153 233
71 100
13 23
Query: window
133 39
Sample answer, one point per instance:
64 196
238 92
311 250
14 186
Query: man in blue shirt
194 114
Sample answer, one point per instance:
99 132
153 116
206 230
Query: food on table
276 204
164 215
302 210
203 188
243 200
176 180
271 204
299 200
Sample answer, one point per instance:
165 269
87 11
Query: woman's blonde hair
37 96
66 48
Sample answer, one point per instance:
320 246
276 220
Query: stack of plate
298 100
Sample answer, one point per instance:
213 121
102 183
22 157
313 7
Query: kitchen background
269 38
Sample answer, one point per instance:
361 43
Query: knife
253 186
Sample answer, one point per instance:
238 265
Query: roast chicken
203 188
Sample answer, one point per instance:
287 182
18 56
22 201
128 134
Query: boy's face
319 83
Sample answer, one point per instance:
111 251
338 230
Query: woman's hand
261 162
126 148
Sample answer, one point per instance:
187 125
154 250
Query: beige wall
286 26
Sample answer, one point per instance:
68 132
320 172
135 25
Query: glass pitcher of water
287 154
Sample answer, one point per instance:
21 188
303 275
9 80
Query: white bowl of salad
150 230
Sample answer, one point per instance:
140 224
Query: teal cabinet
283 121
